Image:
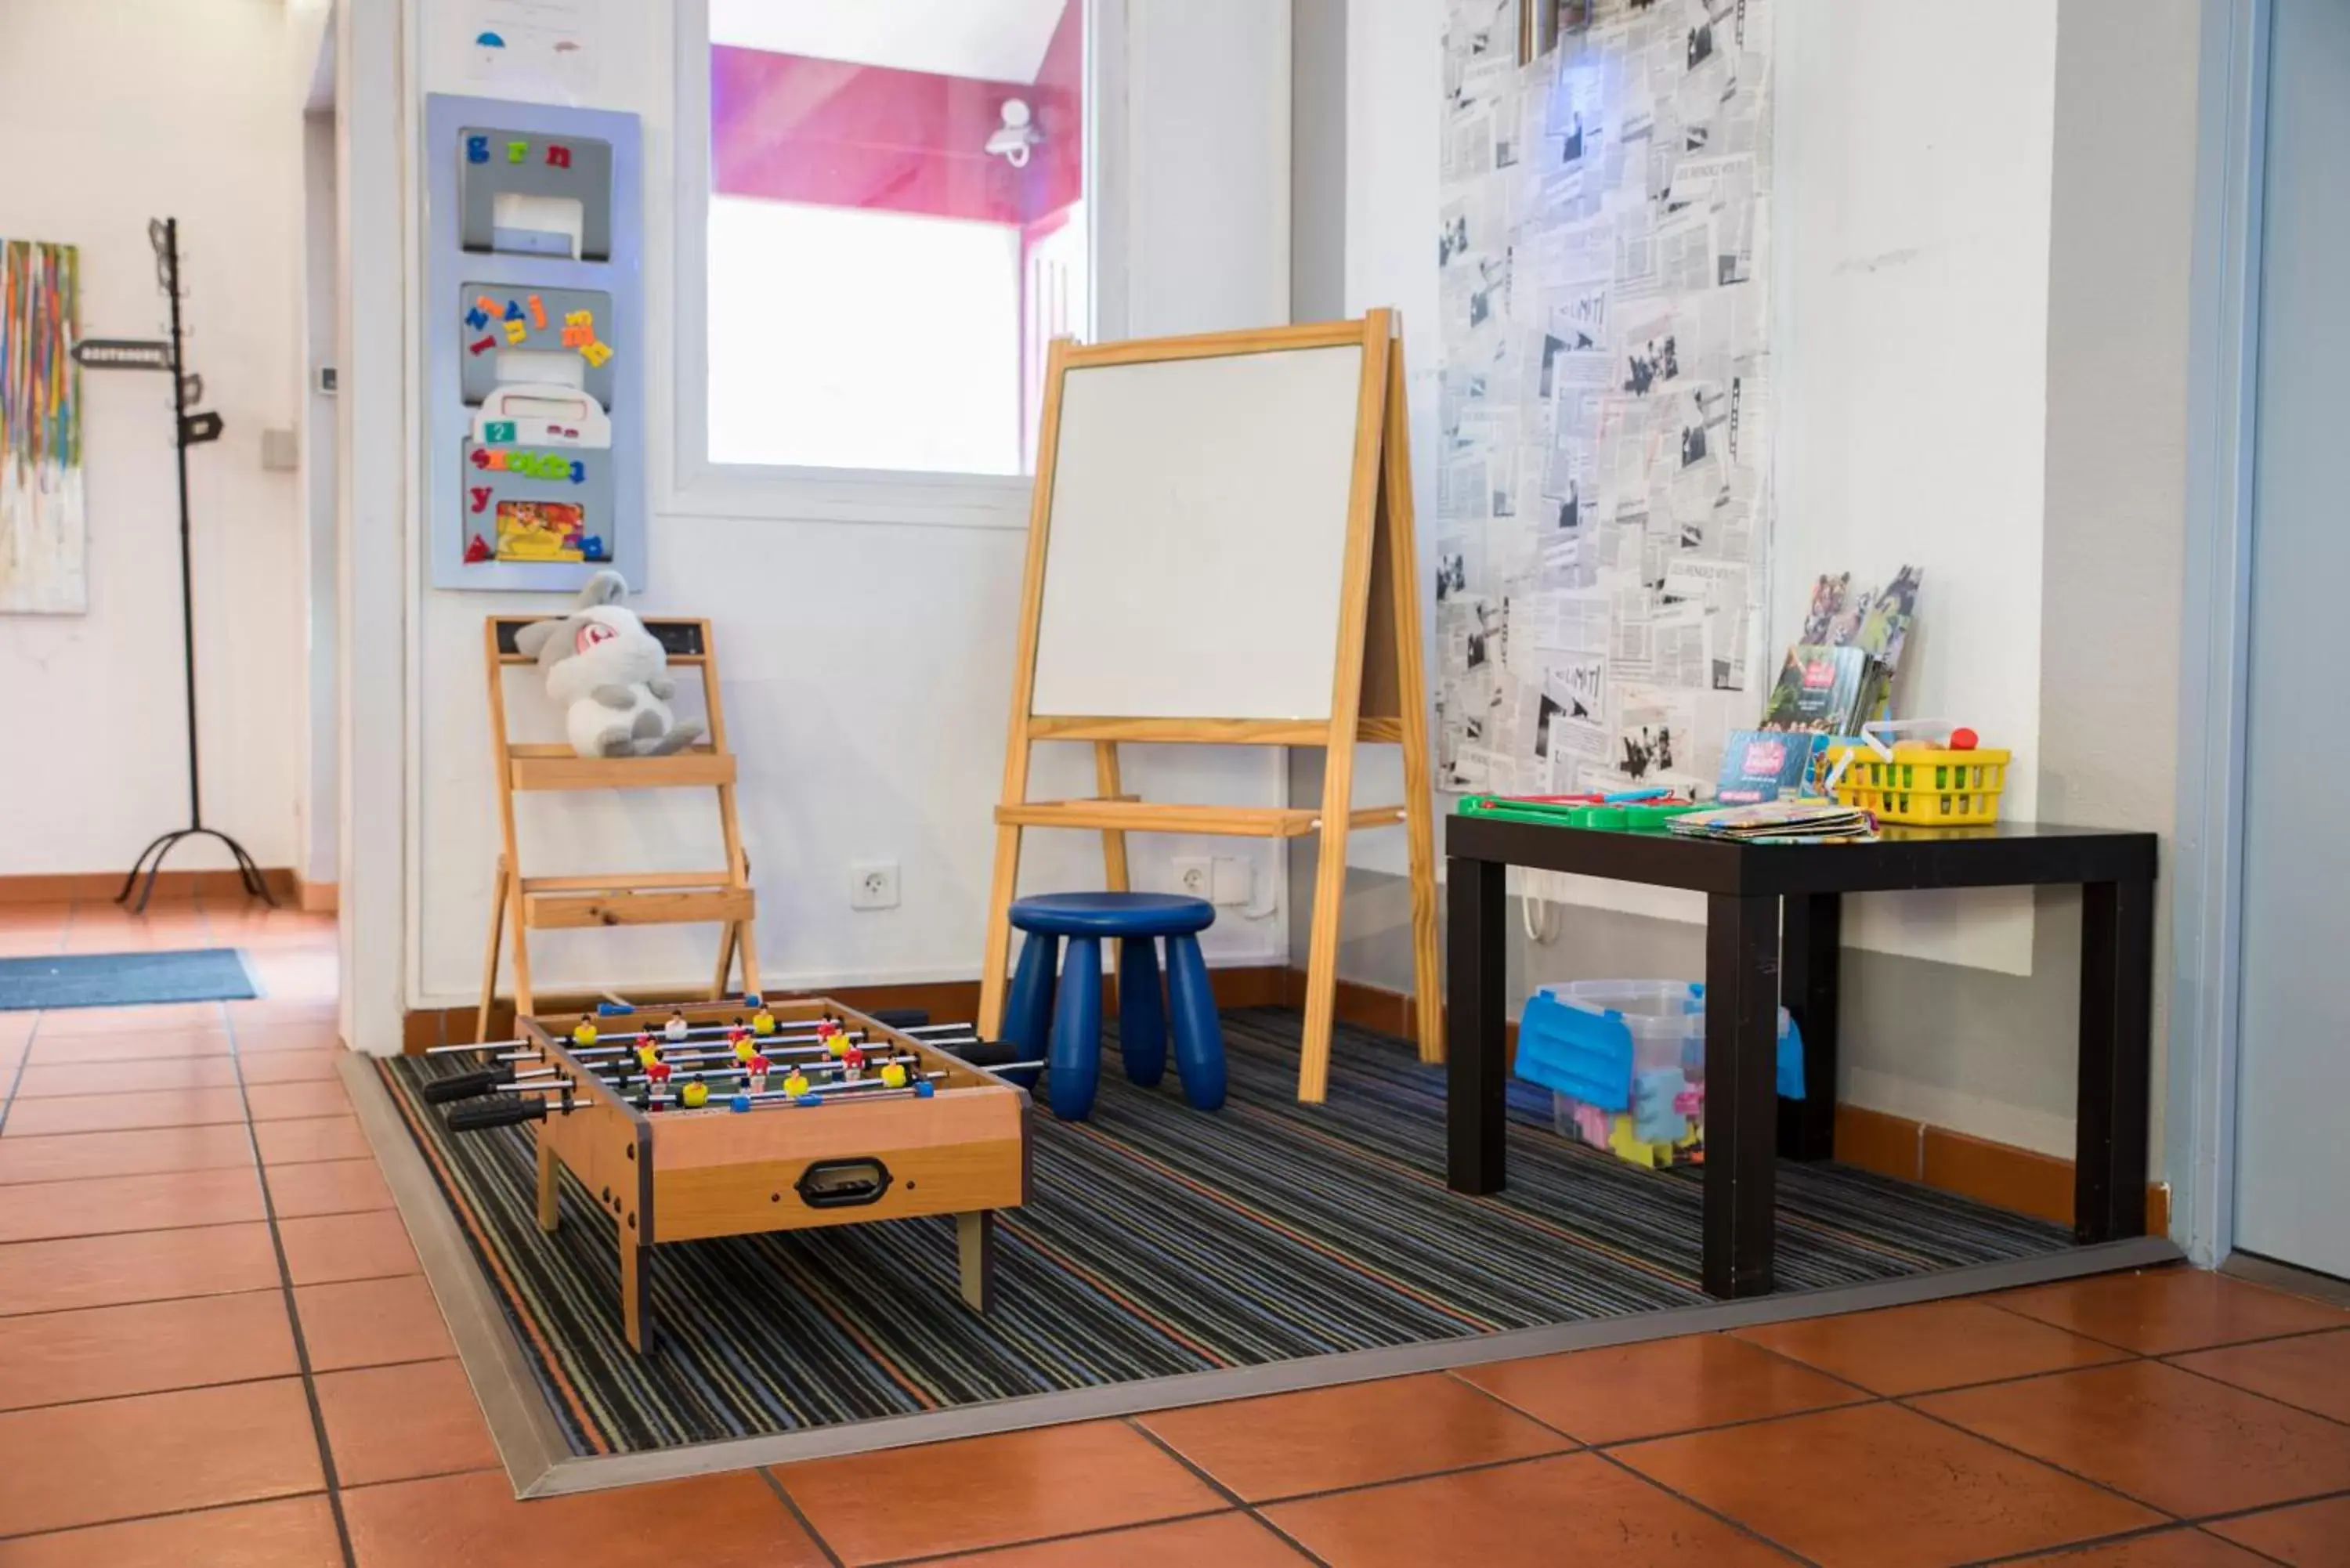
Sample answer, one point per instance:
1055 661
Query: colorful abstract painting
43 569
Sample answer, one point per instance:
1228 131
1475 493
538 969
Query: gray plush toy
610 676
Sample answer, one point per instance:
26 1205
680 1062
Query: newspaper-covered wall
1604 489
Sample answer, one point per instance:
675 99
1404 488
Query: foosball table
739 1118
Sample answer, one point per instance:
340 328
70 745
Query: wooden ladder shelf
526 903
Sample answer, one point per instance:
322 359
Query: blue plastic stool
1071 1021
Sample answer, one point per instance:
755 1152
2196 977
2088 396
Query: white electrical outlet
1195 875
873 885
1234 882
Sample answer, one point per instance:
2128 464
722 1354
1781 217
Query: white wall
120 112
1910 288
868 663
375 563
1394 124
315 859
1961 266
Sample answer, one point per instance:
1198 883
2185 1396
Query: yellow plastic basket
1922 787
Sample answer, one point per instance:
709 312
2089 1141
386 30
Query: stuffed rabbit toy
610 676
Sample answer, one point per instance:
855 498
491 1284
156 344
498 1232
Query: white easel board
1219 552
1197 537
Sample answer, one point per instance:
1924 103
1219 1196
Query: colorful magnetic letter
517 330
578 472
514 310
477 550
500 431
481 494
480 458
577 336
537 312
595 353
477 149
485 343
558 155
487 303
477 318
517 150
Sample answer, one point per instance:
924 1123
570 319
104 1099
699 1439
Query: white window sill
851 495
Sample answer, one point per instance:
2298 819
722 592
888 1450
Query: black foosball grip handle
503 1112
901 1017
465 1086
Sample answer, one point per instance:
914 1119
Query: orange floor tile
216 1348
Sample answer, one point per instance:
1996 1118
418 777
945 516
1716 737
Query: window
896 229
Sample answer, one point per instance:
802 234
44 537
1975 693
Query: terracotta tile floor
216 1348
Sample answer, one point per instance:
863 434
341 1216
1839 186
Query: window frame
699 486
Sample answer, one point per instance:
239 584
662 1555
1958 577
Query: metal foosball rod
927 1034
541 1073
511 1109
689 1075
472 1115
706 1054
771 1047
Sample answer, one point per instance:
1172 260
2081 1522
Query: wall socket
1224 880
873 885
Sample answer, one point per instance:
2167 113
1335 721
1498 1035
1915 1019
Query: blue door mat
125 979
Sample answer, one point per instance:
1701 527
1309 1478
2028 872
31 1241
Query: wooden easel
1377 692
620 897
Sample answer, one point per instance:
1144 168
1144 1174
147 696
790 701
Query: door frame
2207 853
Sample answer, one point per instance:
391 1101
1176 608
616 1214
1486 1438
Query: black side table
1773 918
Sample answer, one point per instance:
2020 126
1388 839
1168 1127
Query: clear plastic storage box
1625 1060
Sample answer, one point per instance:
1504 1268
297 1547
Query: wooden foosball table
736 1118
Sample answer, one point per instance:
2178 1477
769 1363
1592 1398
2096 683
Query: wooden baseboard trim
946 1001
2021 1180
91 887
317 897
1376 1007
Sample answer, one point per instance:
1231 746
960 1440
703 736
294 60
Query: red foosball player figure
757 1066
852 1064
657 1074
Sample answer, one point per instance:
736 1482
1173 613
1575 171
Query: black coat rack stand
189 429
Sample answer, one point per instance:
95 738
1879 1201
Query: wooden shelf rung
684 770
625 881
1128 816
557 912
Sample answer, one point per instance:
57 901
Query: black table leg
2117 1029
1476 950
1742 1026
1811 952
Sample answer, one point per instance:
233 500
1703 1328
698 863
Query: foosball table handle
467 1085
475 1116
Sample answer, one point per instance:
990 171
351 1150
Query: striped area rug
1159 1241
